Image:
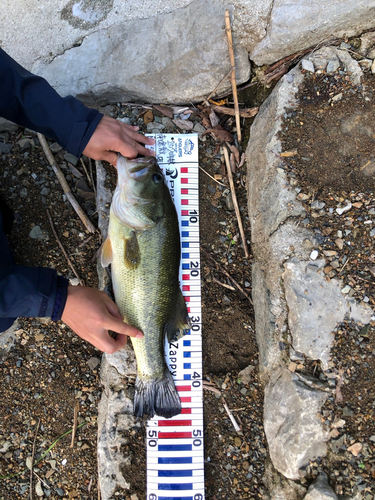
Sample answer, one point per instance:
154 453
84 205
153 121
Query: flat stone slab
177 57
290 405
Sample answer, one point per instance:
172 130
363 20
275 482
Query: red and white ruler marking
175 456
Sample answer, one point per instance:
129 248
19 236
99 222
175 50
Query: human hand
111 137
90 313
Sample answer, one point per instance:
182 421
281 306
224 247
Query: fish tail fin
156 396
179 325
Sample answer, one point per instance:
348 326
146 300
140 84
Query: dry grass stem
86 172
75 423
223 284
63 249
203 170
233 74
60 176
235 203
92 177
237 428
32 460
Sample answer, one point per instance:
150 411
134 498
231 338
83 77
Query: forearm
31 102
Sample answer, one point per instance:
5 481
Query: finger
106 344
121 341
118 326
110 157
140 138
113 309
135 148
145 151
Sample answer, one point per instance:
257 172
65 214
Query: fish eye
157 178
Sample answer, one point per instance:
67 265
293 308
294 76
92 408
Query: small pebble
314 255
342 210
307 65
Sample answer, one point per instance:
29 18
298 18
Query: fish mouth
139 167
135 169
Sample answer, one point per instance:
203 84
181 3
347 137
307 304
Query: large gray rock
296 309
294 433
296 26
164 51
320 489
7 126
176 57
316 307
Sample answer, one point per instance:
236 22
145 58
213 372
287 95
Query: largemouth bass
143 248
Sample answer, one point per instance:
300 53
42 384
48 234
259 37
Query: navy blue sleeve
31 102
27 291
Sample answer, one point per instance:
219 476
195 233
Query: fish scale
175 454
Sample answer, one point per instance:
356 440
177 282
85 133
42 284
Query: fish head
141 192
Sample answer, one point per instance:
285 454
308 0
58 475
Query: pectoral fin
132 253
107 255
179 325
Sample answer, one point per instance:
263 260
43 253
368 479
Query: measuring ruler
175 455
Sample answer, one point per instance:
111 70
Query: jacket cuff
82 132
60 299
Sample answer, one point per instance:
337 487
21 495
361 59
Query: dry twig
237 428
227 275
63 249
86 172
81 214
75 423
32 460
218 85
211 387
233 74
223 284
92 177
85 241
203 170
244 113
347 262
235 203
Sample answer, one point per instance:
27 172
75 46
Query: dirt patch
333 134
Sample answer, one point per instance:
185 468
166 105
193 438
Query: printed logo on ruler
175 455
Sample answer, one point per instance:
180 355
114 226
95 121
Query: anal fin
179 325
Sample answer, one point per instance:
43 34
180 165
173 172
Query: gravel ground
47 371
